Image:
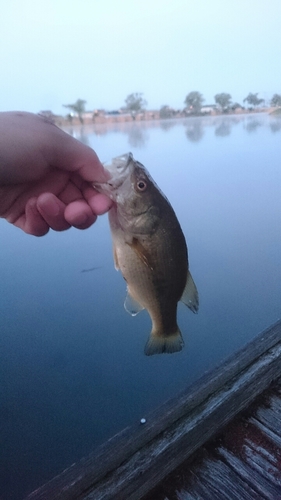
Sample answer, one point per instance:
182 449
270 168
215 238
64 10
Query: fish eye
141 185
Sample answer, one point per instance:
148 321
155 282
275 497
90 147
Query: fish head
131 187
122 170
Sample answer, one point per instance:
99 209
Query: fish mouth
119 164
118 170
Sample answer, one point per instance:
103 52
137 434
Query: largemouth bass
150 251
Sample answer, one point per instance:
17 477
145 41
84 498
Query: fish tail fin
158 344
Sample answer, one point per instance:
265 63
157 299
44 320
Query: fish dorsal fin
190 295
141 252
131 305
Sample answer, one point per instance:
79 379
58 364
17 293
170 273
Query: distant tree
253 100
223 100
194 101
166 111
78 107
135 103
236 105
48 115
276 100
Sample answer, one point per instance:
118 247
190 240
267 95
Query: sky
53 52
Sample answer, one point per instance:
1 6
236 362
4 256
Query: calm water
72 366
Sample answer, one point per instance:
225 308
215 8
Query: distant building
208 109
114 112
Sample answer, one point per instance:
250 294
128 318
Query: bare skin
46 176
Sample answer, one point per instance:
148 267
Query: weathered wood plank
269 417
263 461
215 479
133 462
262 487
209 476
265 426
245 446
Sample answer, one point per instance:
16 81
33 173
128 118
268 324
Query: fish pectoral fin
158 344
131 305
141 252
115 258
190 294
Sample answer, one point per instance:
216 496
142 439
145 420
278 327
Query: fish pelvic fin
158 344
190 294
132 306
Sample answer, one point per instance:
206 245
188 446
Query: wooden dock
219 439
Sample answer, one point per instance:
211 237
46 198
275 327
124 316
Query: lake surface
72 366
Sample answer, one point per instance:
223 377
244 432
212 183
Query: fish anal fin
190 294
131 305
141 252
158 344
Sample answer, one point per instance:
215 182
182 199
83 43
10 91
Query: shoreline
148 116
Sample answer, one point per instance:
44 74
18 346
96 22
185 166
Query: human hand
46 176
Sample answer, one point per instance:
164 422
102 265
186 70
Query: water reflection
80 133
100 129
195 131
253 124
275 126
224 125
137 136
195 128
84 136
167 124
223 129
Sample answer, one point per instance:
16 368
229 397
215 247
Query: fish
150 250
